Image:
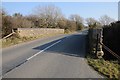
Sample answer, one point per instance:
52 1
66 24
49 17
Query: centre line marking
43 50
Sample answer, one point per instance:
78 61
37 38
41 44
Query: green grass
110 69
17 40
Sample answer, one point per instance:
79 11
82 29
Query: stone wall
95 38
27 32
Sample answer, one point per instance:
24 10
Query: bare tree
106 20
62 23
0 23
21 22
17 15
3 11
92 23
79 21
0 19
76 18
6 25
49 14
71 25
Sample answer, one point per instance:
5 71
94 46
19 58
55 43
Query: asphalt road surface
61 56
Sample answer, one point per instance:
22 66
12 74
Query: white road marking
35 55
43 50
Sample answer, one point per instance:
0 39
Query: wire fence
110 51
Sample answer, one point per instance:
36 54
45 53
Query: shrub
111 39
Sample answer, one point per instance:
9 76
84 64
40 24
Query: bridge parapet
95 38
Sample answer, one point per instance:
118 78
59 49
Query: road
61 56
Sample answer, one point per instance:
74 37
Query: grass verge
17 40
111 69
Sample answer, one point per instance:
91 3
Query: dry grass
110 69
17 40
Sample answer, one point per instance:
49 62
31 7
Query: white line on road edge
43 50
36 54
